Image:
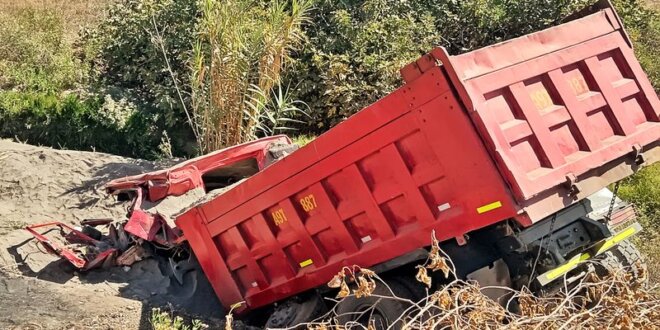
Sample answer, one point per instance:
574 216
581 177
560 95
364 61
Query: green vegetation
75 122
302 140
45 96
242 50
161 320
643 26
34 57
126 56
150 78
356 48
643 189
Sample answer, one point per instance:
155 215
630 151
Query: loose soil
40 291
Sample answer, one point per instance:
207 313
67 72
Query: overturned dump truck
503 153
495 150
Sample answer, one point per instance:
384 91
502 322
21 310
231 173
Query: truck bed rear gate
555 105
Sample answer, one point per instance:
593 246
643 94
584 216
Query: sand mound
40 185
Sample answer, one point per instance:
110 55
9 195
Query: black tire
295 311
624 256
415 290
607 264
384 312
631 259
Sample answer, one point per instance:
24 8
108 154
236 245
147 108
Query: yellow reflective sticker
306 263
616 239
489 207
570 265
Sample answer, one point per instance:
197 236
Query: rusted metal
134 254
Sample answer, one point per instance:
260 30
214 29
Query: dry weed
363 278
75 13
618 301
229 318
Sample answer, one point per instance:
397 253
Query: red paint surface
558 102
183 177
178 180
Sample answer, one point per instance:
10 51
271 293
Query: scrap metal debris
156 198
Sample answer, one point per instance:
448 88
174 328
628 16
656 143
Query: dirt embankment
42 184
39 291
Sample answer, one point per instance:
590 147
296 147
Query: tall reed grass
237 61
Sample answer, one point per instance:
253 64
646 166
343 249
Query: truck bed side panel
371 198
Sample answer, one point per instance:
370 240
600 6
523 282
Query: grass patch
643 189
34 55
303 140
161 320
39 48
75 14
91 123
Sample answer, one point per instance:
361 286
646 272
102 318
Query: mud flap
492 280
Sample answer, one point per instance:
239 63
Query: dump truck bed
517 130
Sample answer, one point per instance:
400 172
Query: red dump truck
495 150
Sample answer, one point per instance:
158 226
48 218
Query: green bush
128 101
353 51
71 122
643 26
34 55
353 55
128 62
643 189
351 58
356 48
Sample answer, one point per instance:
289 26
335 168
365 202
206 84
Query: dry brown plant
619 300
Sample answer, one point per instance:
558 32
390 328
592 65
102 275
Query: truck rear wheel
295 311
381 309
623 256
631 258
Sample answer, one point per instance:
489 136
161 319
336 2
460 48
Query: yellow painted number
279 217
541 99
578 85
308 203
